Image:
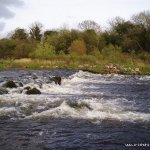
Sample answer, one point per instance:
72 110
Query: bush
63 42
7 48
43 51
91 39
22 49
145 56
95 52
78 47
101 42
111 50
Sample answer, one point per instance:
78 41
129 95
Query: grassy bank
122 63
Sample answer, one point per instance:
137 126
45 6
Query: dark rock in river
10 84
56 79
20 84
33 91
3 91
34 77
27 88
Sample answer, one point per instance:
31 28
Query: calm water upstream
86 112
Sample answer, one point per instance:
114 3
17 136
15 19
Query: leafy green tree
49 33
129 36
111 38
76 35
19 34
63 42
119 28
134 39
91 39
143 19
122 28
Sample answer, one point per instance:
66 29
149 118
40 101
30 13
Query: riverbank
123 64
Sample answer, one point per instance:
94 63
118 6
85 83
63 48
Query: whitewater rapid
82 95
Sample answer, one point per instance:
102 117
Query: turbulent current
87 111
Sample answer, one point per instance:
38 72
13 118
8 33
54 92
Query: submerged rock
56 79
10 84
79 106
33 91
3 91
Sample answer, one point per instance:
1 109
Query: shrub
101 42
43 51
111 50
145 56
6 48
78 47
63 42
91 39
22 49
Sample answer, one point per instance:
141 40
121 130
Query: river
86 112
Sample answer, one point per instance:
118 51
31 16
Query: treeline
123 36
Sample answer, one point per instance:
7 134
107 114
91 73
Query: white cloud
54 13
5 11
2 25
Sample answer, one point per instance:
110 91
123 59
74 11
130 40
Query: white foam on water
65 88
81 77
40 107
8 111
72 85
145 78
92 110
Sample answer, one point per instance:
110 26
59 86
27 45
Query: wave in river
94 109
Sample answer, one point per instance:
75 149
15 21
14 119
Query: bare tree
115 21
89 25
142 18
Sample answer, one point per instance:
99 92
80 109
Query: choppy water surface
87 111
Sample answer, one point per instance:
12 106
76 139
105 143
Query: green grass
5 64
92 63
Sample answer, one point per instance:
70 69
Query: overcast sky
58 13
